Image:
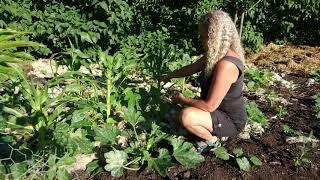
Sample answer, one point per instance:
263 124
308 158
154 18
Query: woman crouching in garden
220 113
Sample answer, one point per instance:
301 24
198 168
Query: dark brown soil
271 148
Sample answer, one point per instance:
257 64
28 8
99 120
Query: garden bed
277 155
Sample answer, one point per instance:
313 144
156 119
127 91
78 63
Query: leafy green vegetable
93 167
115 162
184 154
289 131
256 78
222 153
161 163
316 74
255 114
256 161
243 163
80 120
238 152
107 135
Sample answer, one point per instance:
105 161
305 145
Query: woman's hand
178 98
164 78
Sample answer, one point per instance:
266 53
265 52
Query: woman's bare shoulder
227 69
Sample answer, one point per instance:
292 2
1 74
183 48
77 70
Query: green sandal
209 146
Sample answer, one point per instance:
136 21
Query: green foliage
238 155
302 155
256 161
127 38
115 69
256 78
8 51
111 24
287 21
54 22
116 161
184 154
252 39
282 111
316 74
107 135
243 163
291 132
57 167
271 97
317 105
222 153
144 139
204 6
161 163
255 114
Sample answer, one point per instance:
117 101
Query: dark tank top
233 103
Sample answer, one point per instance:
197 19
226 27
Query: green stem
183 84
42 138
136 134
108 95
231 155
131 169
133 161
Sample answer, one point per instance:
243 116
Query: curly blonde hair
222 35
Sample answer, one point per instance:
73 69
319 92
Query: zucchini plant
144 146
244 162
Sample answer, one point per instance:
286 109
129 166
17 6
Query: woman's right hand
163 78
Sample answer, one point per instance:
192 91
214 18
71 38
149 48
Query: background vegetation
110 25
44 125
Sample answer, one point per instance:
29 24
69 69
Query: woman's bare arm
226 73
186 70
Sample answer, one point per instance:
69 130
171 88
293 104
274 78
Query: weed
272 96
256 78
317 105
301 158
282 111
316 74
291 132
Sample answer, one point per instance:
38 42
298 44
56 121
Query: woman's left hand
178 98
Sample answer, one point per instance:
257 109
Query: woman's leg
198 122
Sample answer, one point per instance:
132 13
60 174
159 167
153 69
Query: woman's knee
186 116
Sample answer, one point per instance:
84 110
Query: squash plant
244 162
144 146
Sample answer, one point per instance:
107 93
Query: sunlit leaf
184 154
256 161
115 162
161 163
243 163
222 153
